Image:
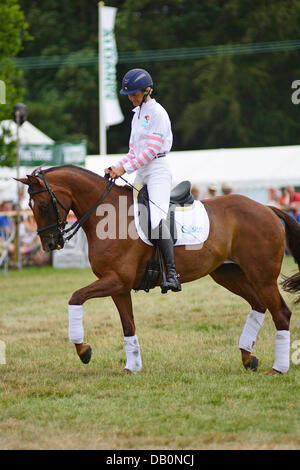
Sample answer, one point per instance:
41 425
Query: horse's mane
89 173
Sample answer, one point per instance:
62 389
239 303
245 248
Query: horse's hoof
272 372
86 356
252 364
125 371
84 352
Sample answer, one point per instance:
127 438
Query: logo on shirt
146 121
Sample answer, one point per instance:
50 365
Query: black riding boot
166 246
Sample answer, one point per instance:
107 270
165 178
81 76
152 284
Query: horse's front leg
108 285
131 343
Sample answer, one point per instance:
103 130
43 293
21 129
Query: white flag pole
102 122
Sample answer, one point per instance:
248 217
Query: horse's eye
44 208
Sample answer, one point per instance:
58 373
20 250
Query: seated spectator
6 227
30 243
226 188
290 201
211 191
5 222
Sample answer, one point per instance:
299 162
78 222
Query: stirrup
172 284
175 283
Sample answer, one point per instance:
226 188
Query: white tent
29 134
251 171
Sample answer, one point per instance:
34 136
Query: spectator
195 192
31 248
290 202
211 191
226 188
274 198
23 198
6 227
5 222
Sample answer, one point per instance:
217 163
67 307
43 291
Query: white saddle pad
192 223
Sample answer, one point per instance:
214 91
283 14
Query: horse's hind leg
281 315
233 278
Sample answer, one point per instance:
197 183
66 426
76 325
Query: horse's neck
85 193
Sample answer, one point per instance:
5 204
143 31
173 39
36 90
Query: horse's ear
30 180
22 180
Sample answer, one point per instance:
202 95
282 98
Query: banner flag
109 108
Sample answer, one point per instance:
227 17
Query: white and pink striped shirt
151 134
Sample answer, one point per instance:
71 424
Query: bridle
60 224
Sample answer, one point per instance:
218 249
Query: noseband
60 224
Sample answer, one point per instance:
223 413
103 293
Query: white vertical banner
109 109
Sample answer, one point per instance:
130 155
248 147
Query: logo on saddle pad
191 229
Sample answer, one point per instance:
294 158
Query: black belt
160 155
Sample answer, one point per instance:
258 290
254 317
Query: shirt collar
147 105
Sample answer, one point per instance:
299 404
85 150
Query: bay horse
249 234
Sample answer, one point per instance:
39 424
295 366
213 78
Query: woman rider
150 140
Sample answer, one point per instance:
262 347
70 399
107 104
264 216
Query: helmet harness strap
147 92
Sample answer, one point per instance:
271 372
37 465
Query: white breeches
157 176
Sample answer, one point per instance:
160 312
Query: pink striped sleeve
130 155
157 139
154 147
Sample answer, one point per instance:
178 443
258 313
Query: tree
13 32
217 101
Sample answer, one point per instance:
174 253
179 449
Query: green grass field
192 393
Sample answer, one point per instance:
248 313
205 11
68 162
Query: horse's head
50 206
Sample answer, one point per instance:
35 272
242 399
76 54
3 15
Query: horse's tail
292 231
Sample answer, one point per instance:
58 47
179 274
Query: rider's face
136 98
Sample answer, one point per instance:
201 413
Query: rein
60 224
78 224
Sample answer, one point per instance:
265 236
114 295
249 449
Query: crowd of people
31 251
212 191
286 199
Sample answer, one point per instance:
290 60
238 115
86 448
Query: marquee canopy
251 171
246 168
29 134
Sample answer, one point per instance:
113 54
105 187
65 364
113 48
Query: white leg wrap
251 328
282 351
133 355
76 332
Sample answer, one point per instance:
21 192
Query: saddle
180 196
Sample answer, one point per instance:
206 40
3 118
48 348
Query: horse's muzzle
53 242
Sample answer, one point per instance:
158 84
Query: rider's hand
115 172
